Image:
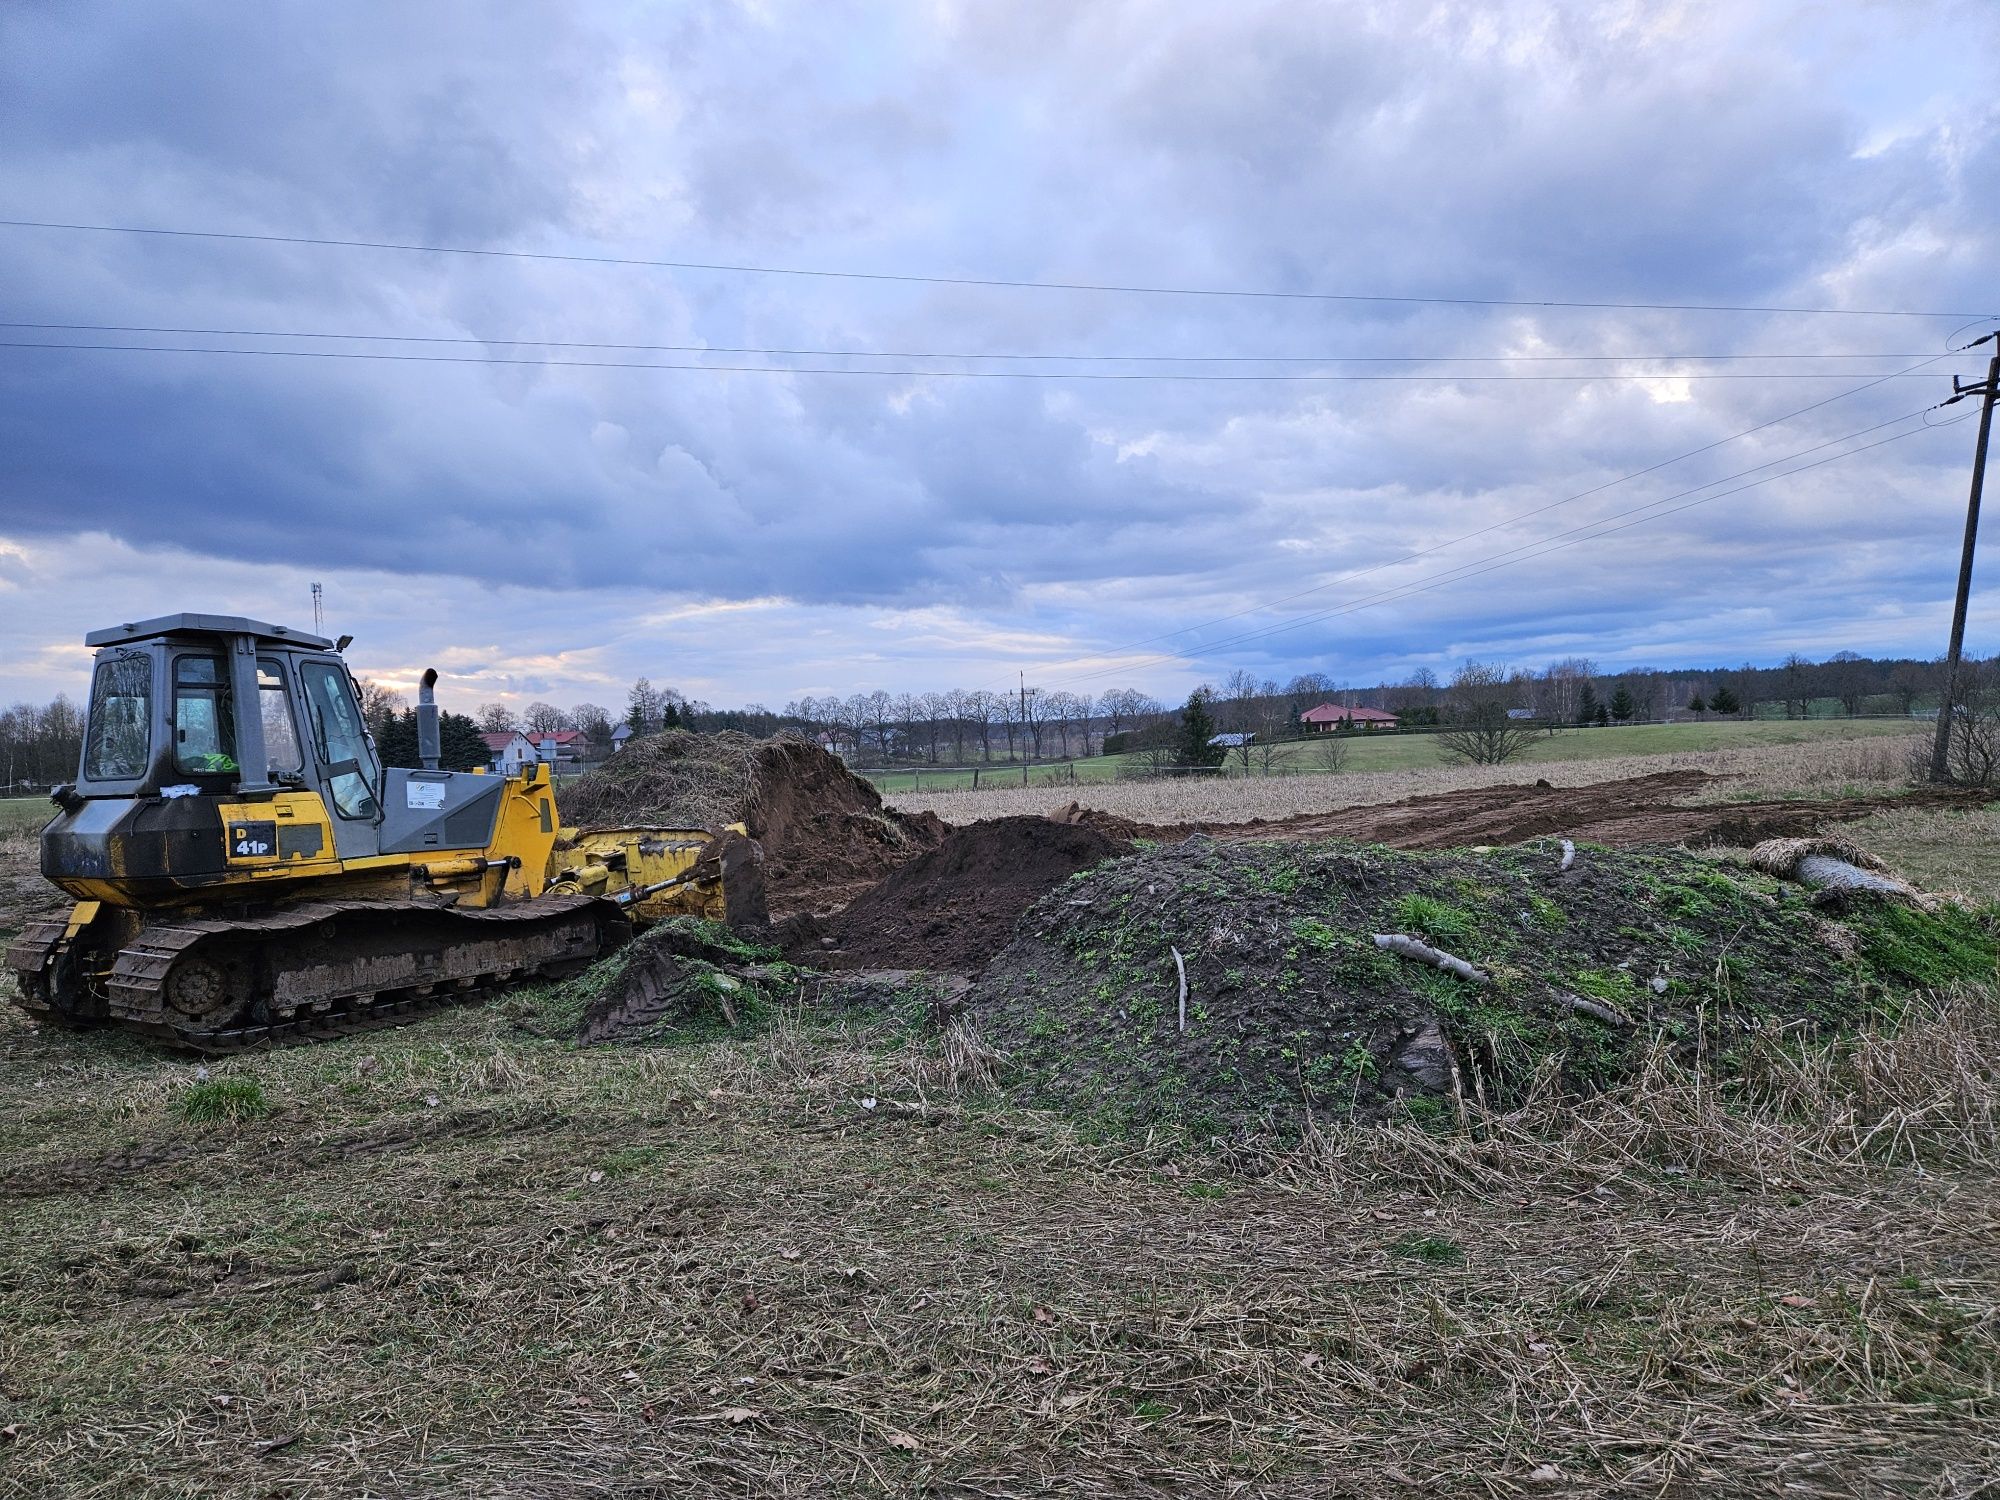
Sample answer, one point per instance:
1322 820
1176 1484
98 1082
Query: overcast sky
545 532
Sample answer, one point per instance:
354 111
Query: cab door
349 774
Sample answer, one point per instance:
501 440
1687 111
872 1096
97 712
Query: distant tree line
40 744
1483 709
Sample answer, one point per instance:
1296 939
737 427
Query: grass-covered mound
680 981
1293 1012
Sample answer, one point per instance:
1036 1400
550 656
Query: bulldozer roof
188 624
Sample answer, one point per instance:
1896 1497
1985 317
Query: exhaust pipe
429 747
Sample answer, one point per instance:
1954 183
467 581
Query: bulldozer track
282 977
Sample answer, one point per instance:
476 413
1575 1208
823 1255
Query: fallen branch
1598 1011
1180 964
1404 946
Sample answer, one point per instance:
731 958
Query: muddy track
171 1161
1639 810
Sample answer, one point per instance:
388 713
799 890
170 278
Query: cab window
121 719
281 735
204 720
340 739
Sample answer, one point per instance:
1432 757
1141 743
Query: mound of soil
1293 1009
955 907
824 831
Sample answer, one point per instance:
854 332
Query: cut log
1404 946
1597 1010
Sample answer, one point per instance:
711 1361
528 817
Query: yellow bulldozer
247 871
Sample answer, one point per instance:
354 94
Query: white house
508 751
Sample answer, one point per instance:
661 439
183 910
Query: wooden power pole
1948 701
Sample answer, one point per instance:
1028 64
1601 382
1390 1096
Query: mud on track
1638 810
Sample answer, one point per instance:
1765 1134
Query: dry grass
827 1259
1940 850
1824 768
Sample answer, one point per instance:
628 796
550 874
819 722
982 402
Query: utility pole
1987 390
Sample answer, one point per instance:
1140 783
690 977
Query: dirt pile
824 830
1638 810
1292 1009
955 907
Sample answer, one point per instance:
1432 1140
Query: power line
373 356
1242 359
1541 548
1524 515
981 281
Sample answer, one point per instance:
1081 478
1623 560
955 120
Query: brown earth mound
955 907
825 833
1622 814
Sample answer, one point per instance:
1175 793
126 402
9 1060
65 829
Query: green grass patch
1930 949
222 1100
1435 918
1432 1249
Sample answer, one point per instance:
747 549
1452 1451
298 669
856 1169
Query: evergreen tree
642 708
670 715
1603 714
459 746
1724 701
1197 729
1587 705
1698 705
1621 704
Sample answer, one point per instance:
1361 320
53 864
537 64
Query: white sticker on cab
425 794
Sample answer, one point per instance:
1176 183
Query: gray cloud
1766 153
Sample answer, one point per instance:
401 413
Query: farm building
1329 717
562 746
1229 741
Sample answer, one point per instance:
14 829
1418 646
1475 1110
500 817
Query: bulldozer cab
204 704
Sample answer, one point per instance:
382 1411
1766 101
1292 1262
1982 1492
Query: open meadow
1419 752
1829 766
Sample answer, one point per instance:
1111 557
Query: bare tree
1846 677
1911 680
379 706
496 718
1033 706
1560 697
1795 685
543 718
1972 746
1329 751
1120 709
1477 729
907 710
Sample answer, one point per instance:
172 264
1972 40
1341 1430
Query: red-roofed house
1329 717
